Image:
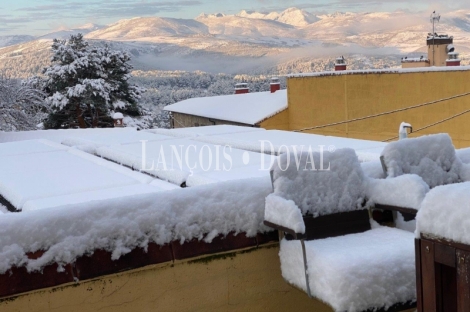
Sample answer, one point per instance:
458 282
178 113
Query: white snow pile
284 212
68 232
3 209
432 157
445 213
407 191
320 183
356 272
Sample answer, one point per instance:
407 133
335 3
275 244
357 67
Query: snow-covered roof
118 116
381 71
248 108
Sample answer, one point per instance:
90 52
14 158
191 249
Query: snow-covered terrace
84 191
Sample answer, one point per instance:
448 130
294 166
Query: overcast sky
37 17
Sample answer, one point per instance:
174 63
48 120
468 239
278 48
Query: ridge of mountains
241 41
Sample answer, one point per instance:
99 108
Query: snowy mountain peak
291 16
297 17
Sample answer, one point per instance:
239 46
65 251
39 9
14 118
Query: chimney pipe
241 88
275 84
403 130
340 64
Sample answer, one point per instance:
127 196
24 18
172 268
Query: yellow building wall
279 121
248 280
320 100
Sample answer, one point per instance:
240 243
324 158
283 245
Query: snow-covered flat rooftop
90 199
204 131
180 159
248 108
40 173
277 141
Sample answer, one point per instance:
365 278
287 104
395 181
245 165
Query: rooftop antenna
435 17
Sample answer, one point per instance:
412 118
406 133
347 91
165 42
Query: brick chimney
340 64
241 88
275 84
453 59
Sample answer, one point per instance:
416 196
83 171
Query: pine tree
85 84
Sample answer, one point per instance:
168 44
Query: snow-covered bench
330 249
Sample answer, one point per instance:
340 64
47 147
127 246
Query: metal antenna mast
435 17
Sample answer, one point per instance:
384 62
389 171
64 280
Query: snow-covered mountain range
254 39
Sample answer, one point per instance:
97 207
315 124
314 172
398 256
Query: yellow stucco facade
280 121
324 99
246 280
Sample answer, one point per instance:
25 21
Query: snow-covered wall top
248 108
382 71
445 212
320 183
122 224
432 157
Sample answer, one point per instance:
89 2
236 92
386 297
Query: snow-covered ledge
150 228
